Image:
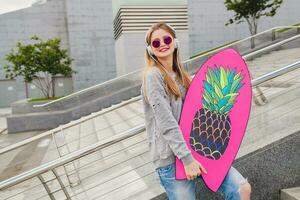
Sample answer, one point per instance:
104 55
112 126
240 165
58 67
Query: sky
11 5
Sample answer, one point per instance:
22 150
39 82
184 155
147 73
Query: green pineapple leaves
221 88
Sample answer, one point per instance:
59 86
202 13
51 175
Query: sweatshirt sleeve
166 122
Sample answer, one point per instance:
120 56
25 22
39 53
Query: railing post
273 34
63 149
252 43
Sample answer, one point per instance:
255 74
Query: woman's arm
160 103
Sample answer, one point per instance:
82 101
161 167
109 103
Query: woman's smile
164 49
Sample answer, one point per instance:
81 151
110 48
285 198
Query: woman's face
164 50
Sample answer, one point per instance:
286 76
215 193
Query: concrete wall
46 21
91 41
207 23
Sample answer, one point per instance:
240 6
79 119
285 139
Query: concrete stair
290 194
273 60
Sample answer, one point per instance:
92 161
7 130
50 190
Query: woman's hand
194 169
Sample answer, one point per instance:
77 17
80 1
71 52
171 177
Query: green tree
39 63
251 11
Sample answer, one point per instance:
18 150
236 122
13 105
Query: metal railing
134 99
115 139
71 157
271 47
272 31
86 151
275 73
66 126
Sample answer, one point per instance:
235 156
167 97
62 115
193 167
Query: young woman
163 90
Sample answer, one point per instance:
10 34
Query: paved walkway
9 139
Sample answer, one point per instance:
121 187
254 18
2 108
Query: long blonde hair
182 75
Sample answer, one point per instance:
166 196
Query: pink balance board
215 114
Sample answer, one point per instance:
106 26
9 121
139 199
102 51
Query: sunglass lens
156 43
167 40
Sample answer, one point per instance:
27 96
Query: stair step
290 194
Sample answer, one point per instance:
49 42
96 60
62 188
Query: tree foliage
39 63
251 11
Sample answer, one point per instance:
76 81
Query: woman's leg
176 189
235 186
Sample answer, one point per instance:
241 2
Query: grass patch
286 29
43 99
215 48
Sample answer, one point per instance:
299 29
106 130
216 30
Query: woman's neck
167 62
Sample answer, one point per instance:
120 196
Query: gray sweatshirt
162 114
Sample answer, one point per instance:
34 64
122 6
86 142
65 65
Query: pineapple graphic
211 126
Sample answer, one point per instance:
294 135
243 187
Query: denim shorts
185 189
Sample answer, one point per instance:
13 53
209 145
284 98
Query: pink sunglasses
167 40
